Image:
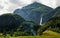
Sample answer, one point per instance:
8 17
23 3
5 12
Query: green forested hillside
57 12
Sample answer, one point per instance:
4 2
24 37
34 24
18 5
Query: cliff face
33 12
56 12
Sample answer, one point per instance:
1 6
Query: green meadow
46 34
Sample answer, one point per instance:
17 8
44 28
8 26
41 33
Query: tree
9 23
28 28
53 24
18 18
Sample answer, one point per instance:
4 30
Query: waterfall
41 20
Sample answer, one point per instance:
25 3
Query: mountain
34 12
57 12
53 13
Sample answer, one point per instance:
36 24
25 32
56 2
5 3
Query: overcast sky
8 6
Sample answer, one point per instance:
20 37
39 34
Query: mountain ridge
33 12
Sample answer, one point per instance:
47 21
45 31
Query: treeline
52 24
14 24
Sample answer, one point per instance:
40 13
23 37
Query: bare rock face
34 12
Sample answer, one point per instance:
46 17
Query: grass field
37 37
46 34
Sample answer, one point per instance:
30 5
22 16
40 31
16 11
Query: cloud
21 2
50 3
6 7
58 3
11 5
15 4
3 7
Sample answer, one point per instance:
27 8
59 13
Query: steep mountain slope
53 13
57 12
33 12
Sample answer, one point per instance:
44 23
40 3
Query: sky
8 6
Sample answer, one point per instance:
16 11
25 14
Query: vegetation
55 24
28 28
9 23
15 25
46 34
52 24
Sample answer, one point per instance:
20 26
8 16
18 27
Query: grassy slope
46 34
50 33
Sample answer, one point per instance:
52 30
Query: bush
9 23
28 28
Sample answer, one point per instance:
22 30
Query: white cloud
3 7
14 4
58 3
50 3
21 2
7 6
